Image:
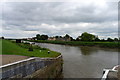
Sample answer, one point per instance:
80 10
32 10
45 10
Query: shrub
30 48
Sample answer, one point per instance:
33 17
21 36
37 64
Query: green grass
81 43
12 48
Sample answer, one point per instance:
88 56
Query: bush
30 48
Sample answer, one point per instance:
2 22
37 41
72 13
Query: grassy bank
12 48
81 43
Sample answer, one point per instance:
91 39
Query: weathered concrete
118 73
33 68
112 74
6 59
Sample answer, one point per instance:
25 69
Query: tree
38 36
66 36
43 37
72 39
115 39
97 39
2 37
60 36
56 36
102 40
109 39
78 38
87 37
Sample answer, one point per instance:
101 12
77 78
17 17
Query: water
84 62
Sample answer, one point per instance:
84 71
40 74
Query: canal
83 61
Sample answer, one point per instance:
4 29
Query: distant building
67 39
52 38
29 38
33 38
59 39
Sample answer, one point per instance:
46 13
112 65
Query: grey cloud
19 16
55 12
89 14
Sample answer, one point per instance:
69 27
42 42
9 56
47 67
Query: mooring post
48 52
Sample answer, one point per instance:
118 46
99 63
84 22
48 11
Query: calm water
84 62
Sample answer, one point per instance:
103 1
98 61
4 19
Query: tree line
83 37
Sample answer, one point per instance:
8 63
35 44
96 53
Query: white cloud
59 18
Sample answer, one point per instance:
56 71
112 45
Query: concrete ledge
33 58
111 73
29 67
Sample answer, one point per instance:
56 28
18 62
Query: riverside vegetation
12 48
83 43
85 39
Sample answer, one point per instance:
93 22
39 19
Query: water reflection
84 62
87 50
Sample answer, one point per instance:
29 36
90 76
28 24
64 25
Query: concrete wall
33 68
118 73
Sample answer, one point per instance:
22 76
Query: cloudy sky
26 19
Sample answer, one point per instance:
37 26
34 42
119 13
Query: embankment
34 67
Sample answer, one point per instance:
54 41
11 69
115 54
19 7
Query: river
83 61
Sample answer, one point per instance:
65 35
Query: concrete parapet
34 67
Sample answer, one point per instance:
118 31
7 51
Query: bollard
48 52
